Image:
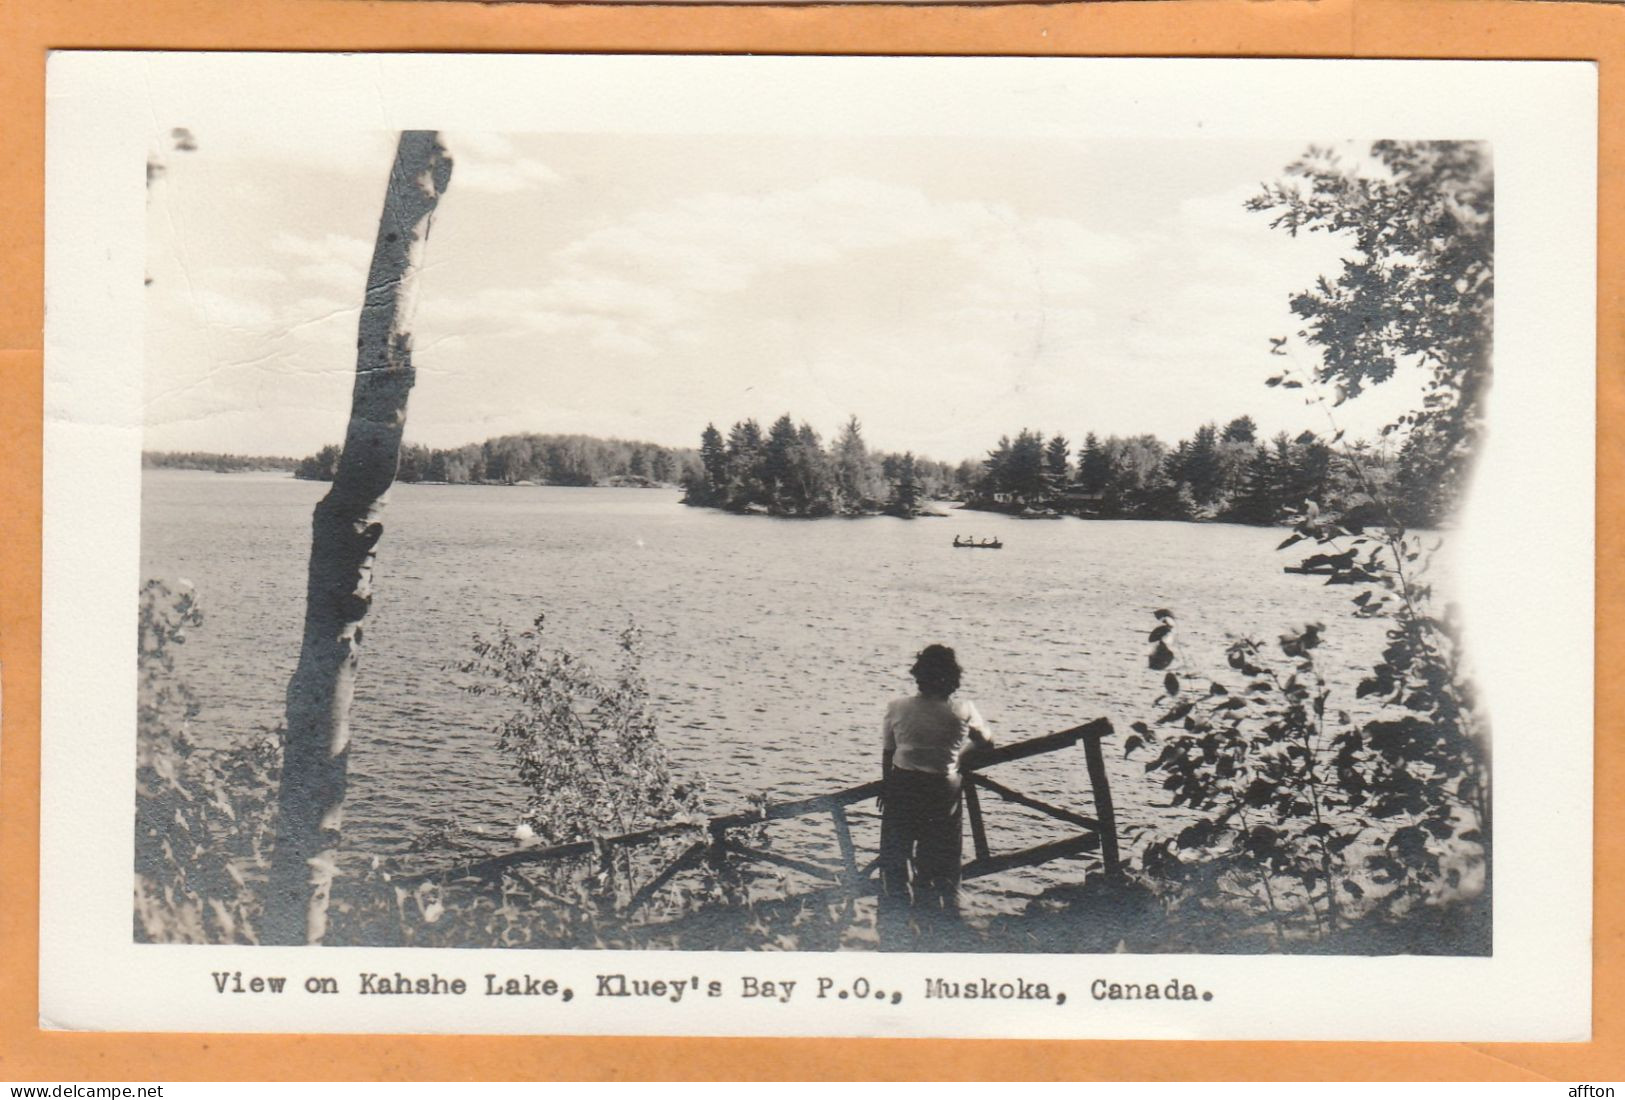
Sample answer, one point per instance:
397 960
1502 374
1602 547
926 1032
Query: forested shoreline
527 458
1219 474
215 462
1223 474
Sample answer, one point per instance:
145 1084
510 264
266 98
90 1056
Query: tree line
209 460
788 471
527 457
1226 474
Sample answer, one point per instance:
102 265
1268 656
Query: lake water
773 645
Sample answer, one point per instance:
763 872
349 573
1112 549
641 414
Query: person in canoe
925 738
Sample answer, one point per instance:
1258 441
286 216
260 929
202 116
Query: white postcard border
1526 562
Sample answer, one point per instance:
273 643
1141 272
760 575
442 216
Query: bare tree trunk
344 534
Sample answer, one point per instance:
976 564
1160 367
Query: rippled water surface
773 645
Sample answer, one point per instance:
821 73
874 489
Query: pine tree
1026 468
714 460
906 490
744 443
809 483
1202 471
1057 465
1258 500
996 467
855 481
1308 473
745 474
1240 430
1093 466
776 463
660 462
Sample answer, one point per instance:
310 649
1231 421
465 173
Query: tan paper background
1379 28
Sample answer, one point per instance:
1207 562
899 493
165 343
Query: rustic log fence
717 838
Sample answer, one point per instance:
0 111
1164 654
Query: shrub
1267 772
584 745
203 817
1300 810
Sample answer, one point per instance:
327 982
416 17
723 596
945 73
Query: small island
788 472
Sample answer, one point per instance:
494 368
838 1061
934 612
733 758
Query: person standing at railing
926 736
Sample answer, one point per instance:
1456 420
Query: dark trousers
920 848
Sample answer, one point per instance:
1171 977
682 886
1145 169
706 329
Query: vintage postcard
998 547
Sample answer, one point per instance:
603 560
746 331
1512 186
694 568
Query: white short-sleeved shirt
927 735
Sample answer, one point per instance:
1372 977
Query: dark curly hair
937 671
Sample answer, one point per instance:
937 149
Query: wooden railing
1097 835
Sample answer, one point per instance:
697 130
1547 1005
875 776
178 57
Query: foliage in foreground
203 816
1303 814
1328 824
584 745
1419 288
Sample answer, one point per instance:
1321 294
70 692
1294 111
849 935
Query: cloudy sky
943 290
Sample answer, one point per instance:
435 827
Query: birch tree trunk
345 531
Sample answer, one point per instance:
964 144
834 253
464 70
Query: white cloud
335 275
330 247
609 312
685 267
719 242
1224 211
489 163
942 311
496 178
484 144
837 296
316 309
219 309
246 273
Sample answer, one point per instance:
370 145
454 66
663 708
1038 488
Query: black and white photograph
1029 558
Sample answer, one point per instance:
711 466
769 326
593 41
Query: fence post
843 836
978 831
1103 801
